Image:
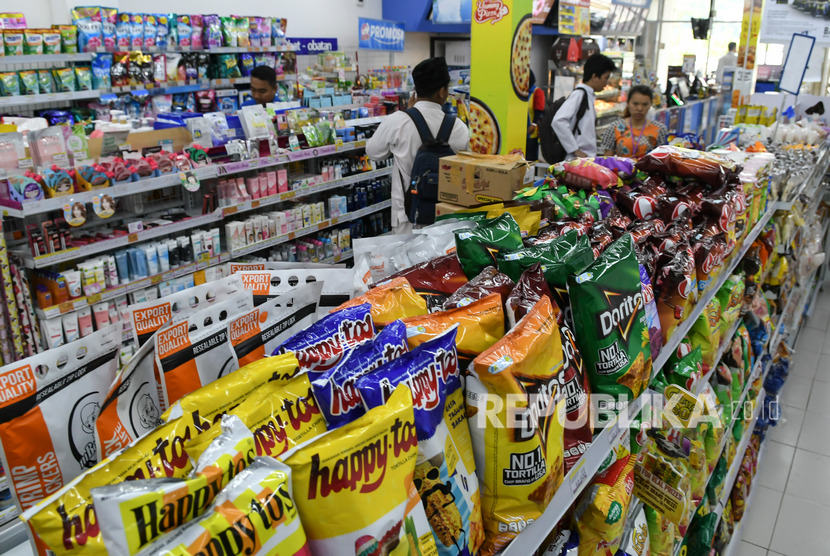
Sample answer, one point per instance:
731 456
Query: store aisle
790 511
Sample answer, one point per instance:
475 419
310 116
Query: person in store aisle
728 60
579 138
397 134
535 108
634 135
263 86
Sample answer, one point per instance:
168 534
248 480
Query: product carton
469 179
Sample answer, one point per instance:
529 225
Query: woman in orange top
634 135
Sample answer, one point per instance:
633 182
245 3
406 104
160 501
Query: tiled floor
790 513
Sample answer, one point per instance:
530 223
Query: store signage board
782 20
795 66
312 46
741 87
575 17
377 34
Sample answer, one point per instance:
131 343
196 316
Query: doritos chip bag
255 514
360 478
445 473
391 300
480 325
475 248
335 390
515 408
323 344
610 322
436 279
133 514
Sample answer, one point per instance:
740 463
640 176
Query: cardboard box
469 179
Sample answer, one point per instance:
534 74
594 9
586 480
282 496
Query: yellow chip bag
254 514
527 220
390 301
516 413
66 521
133 514
356 486
480 325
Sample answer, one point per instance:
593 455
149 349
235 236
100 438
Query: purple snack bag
655 332
621 166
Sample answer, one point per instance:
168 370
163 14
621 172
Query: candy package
519 466
381 511
445 472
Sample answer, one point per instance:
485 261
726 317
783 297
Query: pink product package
271 182
12 21
196 25
263 185
282 181
253 187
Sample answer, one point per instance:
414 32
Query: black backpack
552 149
421 194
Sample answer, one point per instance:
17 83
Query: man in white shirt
397 135
728 60
580 138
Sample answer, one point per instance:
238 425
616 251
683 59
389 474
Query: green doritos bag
610 322
476 248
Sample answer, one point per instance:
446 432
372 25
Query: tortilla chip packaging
391 300
530 288
445 471
476 247
255 513
600 512
675 287
360 477
527 220
706 333
480 325
323 344
335 389
635 541
133 514
489 281
519 451
661 533
436 279
610 320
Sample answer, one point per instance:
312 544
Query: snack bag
731 296
436 279
47 419
445 471
635 541
262 330
520 467
197 351
581 173
476 247
530 288
489 281
480 325
601 510
133 514
676 285
611 322
256 512
132 407
655 333
323 344
391 300
686 163
148 317
334 388
373 508
706 333
661 533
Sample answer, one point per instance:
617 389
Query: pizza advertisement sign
501 36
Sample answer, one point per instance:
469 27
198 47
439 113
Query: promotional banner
575 17
783 18
501 35
376 34
750 27
312 46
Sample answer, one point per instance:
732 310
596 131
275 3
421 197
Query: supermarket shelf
305 192
112 293
365 121
12 534
304 154
4 485
338 258
23 100
45 59
576 480
814 177
724 345
684 327
734 545
276 240
122 241
238 49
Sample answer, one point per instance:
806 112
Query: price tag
132 238
323 225
66 306
288 195
155 279
94 298
579 476
291 236
255 203
254 163
231 210
204 257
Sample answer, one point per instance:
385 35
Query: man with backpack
417 138
573 120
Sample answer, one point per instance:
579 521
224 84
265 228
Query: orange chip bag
390 301
516 413
480 325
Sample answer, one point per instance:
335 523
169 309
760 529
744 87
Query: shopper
634 135
263 85
397 134
580 138
728 60
535 109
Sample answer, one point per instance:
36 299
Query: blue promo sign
376 34
312 46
